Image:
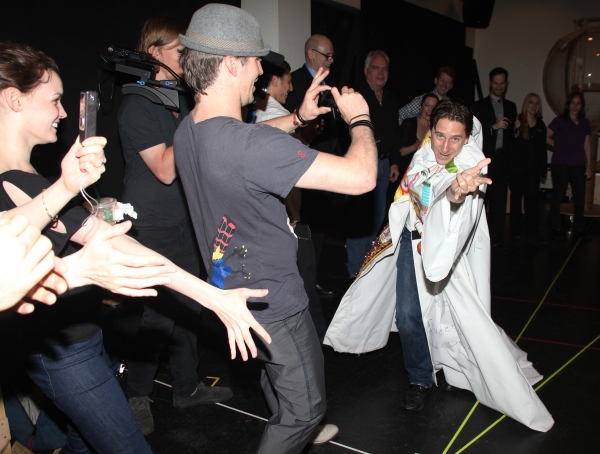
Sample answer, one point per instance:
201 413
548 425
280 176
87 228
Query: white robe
453 279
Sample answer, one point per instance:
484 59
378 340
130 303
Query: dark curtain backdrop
417 40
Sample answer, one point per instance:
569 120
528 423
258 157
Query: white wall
285 25
519 38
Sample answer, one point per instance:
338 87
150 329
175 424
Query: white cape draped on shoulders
453 278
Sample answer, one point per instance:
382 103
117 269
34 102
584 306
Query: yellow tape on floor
460 428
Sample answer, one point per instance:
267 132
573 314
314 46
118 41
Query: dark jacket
484 111
529 155
335 138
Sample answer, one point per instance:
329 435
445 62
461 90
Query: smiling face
248 74
42 110
575 107
377 72
498 86
534 104
169 55
443 84
321 53
447 139
280 87
428 104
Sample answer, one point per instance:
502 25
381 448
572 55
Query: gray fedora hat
225 30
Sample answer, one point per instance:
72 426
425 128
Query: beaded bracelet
302 120
297 120
361 123
53 219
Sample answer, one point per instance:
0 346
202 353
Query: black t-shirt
384 117
142 125
236 177
75 317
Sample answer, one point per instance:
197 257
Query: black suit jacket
335 138
484 111
301 80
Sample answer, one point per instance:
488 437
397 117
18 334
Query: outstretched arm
228 305
82 161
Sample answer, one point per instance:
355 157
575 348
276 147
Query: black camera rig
142 65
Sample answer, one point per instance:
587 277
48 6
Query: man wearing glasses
318 52
316 205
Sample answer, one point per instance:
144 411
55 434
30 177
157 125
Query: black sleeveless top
75 317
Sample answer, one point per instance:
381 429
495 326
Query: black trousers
170 318
561 176
293 380
496 195
307 267
524 185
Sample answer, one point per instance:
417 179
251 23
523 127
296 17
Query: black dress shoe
414 398
448 387
324 291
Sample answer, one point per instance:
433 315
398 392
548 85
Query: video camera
144 66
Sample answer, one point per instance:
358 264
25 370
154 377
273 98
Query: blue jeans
77 379
409 319
365 216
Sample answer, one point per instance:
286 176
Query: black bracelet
302 120
361 115
361 123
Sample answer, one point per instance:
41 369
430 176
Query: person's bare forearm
181 281
40 209
228 305
363 149
285 123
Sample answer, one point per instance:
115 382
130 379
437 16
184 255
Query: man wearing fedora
235 176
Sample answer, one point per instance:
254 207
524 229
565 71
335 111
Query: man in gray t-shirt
235 177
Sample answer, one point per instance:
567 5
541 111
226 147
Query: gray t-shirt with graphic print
235 177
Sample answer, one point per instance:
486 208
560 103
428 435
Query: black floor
364 392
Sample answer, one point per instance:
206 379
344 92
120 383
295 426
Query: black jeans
307 267
170 318
293 380
524 185
561 176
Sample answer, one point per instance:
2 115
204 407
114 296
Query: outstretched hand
309 109
232 310
26 268
468 181
127 274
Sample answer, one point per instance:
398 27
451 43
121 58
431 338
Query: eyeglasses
327 56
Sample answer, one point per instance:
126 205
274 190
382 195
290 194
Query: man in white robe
440 202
